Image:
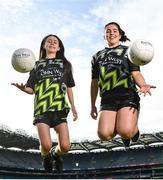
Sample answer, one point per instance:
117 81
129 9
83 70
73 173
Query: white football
140 52
23 60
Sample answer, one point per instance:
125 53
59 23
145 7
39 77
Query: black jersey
49 82
112 68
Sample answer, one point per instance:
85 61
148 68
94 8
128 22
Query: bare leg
45 145
127 122
63 139
106 126
44 138
63 145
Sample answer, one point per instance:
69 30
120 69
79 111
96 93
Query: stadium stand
20 158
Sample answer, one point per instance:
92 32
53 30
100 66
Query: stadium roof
20 139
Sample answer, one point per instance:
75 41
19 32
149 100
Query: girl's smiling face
112 35
51 45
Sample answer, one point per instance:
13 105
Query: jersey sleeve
31 80
70 80
94 68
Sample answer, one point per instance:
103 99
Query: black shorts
120 100
52 118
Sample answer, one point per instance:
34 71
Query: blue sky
79 23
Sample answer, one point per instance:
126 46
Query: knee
46 146
127 134
64 148
105 136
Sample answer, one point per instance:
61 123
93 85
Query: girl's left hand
74 112
146 89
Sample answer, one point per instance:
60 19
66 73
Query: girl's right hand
19 86
23 88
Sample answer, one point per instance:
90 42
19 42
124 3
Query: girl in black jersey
117 79
50 80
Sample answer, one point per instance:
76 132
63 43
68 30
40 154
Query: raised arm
23 88
140 81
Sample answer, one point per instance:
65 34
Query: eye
49 40
108 31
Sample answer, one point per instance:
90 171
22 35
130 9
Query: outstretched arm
23 87
94 92
140 81
71 100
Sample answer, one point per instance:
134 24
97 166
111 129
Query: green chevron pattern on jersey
48 97
110 81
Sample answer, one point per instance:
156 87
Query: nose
111 32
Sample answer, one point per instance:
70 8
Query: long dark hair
124 38
59 54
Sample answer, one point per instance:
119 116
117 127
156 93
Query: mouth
51 47
112 37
